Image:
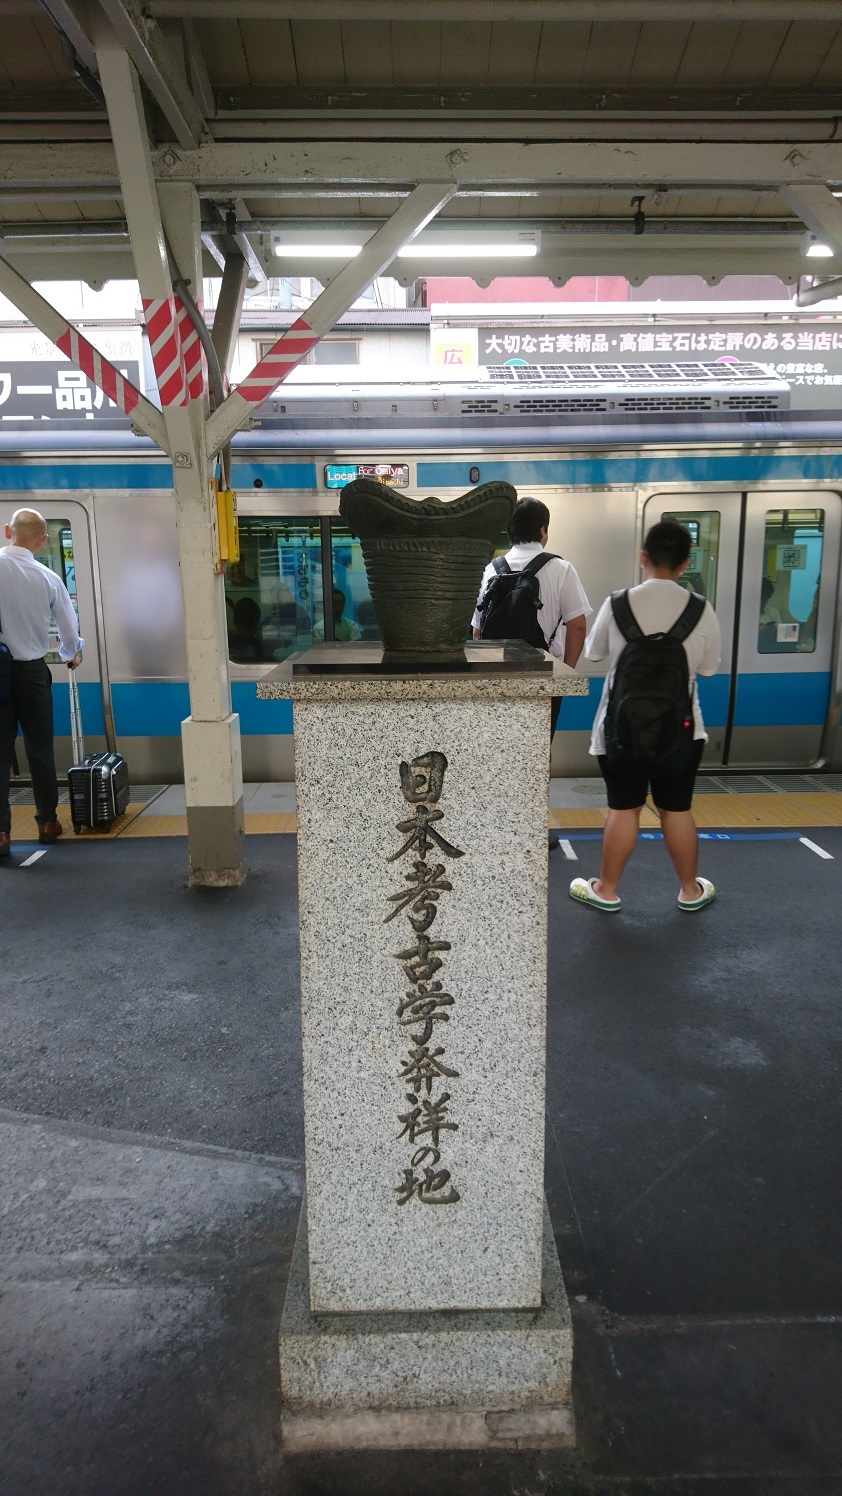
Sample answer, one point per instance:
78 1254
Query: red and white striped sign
165 344
191 351
290 349
99 370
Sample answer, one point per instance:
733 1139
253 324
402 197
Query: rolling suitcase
98 783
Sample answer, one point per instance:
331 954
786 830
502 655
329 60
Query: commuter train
610 449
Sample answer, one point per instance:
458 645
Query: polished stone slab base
445 1380
482 657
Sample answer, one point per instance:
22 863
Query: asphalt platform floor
150 1113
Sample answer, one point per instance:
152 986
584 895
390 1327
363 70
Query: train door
769 563
68 553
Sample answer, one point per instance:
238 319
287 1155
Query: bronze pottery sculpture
425 559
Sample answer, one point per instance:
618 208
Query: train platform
722 801
152 1165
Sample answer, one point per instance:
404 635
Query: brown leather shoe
5 843
49 832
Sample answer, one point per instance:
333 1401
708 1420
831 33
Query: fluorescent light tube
318 251
462 251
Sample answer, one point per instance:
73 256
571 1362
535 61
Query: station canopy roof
623 137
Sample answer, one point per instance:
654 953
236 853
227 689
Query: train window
700 575
353 610
789 587
273 594
57 554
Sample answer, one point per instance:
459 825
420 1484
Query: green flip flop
707 896
581 889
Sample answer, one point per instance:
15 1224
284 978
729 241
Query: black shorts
628 791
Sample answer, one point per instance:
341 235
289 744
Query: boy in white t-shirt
657 604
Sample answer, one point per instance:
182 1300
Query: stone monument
425 1305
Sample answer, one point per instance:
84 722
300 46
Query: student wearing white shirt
30 597
657 604
563 604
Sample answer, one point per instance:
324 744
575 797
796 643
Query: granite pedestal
425 1306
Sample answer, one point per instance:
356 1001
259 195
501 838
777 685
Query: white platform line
42 852
567 849
819 851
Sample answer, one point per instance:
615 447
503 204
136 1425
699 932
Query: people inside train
769 612
648 733
31 597
344 629
244 636
367 619
533 595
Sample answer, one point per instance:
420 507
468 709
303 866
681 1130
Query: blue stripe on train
786 699
579 471
90 701
157 708
585 471
133 475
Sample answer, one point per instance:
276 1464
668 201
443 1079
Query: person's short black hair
246 615
767 587
527 522
668 544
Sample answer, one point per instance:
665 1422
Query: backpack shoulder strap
538 563
624 617
684 626
501 566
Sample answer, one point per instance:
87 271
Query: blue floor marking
703 836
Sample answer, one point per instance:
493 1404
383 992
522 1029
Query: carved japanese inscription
424 1072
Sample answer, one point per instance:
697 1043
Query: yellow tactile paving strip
823 808
24 827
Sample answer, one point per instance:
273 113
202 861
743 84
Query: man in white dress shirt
563 604
30 597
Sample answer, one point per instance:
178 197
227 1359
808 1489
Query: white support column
378 252
211 734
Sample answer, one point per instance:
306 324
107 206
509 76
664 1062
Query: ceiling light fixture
318 251
520 246
817 251
463 251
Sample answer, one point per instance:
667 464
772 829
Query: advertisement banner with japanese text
809 358
38 383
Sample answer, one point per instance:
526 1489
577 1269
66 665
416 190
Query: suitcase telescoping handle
76 721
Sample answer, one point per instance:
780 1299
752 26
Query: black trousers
30 708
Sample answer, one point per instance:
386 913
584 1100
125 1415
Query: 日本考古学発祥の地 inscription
426 1004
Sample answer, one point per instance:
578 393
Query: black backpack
650 707
510 604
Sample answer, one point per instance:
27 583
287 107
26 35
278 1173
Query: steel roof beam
148 50
65 15
494 101
503 10
232 169
293 346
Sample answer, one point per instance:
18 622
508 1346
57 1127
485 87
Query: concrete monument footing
475 1379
